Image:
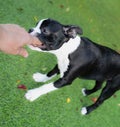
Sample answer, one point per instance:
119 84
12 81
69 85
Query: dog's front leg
33 94
67 79
54 71
39 77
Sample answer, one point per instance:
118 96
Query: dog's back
100 62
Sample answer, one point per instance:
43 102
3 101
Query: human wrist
2 32
2 37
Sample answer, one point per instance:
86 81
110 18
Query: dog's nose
30 30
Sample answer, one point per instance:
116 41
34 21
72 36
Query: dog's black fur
89 61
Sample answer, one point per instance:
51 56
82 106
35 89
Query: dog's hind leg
110 88
97 86
39 77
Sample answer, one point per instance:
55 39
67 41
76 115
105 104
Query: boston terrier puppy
77 57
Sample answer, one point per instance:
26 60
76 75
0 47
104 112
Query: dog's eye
45 31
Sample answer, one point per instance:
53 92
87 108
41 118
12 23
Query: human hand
13 38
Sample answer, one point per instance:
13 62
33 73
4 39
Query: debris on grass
35 18
119 104
67 9
18 81
94 99
50 1
20 9
81 100
68 100
22 86
61 6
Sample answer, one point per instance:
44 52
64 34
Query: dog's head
52 34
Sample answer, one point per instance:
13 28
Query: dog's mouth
41 45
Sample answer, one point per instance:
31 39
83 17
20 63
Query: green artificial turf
100 21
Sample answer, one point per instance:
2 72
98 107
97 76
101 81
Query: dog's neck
68 47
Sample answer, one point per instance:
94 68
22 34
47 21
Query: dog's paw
84 111
83 92
38 77
32 95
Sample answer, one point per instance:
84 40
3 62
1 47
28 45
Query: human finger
35 41
22 52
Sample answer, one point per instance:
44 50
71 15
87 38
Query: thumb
23 52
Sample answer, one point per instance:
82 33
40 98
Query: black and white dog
77 57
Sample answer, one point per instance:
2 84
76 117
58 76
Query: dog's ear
72 31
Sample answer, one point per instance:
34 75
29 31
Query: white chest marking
63 53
